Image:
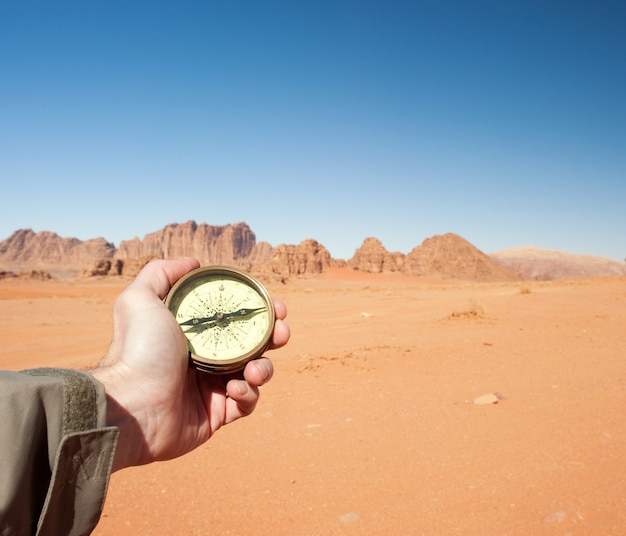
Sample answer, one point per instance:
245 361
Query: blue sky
501 121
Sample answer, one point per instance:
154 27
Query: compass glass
226 315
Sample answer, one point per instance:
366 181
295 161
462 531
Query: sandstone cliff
210 244
261 252
308 257
233 245
373 257
27 250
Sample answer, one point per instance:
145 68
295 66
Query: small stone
489 398
350 517
554 517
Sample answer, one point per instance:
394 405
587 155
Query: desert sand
370 425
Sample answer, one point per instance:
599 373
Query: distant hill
534 263
452 257
447 256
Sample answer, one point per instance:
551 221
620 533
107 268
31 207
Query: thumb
151 285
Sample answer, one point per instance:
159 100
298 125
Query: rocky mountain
373 257
450 256
447 256
27 250
534 263
233 245
210 244
309 257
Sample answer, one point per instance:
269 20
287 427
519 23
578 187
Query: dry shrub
475 310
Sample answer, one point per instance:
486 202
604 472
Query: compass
226 315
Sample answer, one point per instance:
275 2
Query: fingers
244 394
280 308
259 371
281 334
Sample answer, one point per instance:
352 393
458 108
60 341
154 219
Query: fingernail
264 368
242 387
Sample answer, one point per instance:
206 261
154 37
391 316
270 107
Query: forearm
56 452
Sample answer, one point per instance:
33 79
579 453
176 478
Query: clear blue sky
501 121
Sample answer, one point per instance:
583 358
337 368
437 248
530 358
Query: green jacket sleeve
56 452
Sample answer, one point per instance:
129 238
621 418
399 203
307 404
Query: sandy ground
369 425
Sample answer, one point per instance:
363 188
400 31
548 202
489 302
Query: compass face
226 315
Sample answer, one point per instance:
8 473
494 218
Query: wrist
131 447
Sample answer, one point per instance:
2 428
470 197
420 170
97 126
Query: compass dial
226 315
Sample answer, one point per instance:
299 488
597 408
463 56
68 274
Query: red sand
369 425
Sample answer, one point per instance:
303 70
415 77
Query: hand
163 407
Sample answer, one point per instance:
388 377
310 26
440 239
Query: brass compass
226 315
